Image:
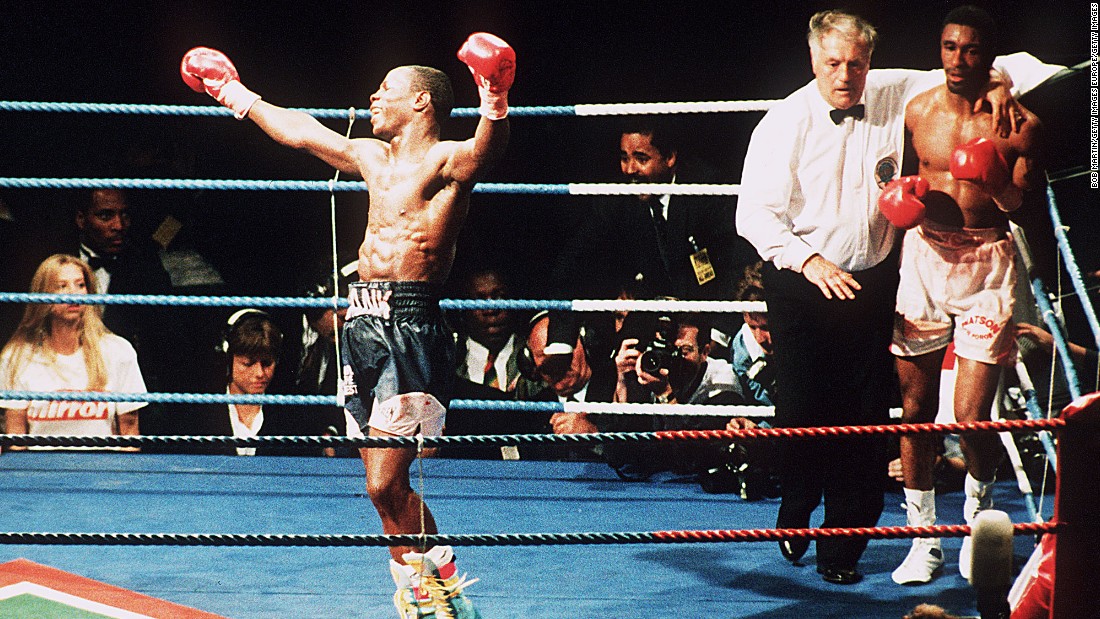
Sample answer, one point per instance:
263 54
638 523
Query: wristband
236 97
494 105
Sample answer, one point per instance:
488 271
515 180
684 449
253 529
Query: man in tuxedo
679 246
122 265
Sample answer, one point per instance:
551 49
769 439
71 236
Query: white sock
920 507
977 489
979 496
402 574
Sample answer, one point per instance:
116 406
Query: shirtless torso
415 214
937 122
419 185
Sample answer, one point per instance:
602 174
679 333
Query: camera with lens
728 476
659 352
656 335
762 373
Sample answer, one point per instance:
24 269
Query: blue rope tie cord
583 109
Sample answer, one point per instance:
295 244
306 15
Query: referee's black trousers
834 368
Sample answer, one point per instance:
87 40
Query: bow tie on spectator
856 112
99 262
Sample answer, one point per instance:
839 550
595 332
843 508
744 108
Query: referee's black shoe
793 549
839 575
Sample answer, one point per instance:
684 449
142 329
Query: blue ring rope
267 398
251 185
1058 332
1035 411
217 110
169 398
1071 266
708 410
575 305
253 301
169 299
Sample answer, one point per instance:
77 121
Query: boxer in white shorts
957 270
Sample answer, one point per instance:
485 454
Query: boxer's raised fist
493 64
491 60
900 201
980 162
210 71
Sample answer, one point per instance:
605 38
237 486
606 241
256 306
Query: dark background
323 54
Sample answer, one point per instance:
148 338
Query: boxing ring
252 537
154 493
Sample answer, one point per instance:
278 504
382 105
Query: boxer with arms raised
957 271
397 347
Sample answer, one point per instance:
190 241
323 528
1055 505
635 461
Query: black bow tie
856 112
99 262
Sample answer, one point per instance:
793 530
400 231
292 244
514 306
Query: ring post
1077 509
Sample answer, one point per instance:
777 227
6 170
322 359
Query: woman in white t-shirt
65 347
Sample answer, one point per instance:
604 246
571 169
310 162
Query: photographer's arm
626 360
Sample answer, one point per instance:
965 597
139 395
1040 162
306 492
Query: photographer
749 466
673 366
578 377
664 359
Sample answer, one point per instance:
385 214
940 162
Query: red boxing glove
900 201
210 71
493 63
980 162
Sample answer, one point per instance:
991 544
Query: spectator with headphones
251 349
585 376
66 347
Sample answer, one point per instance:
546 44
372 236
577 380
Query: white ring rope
634 189
688 107
631 305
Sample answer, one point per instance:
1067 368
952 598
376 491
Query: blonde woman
65 347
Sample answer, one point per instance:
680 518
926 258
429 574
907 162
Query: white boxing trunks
956 283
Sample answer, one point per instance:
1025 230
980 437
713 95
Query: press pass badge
700 262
